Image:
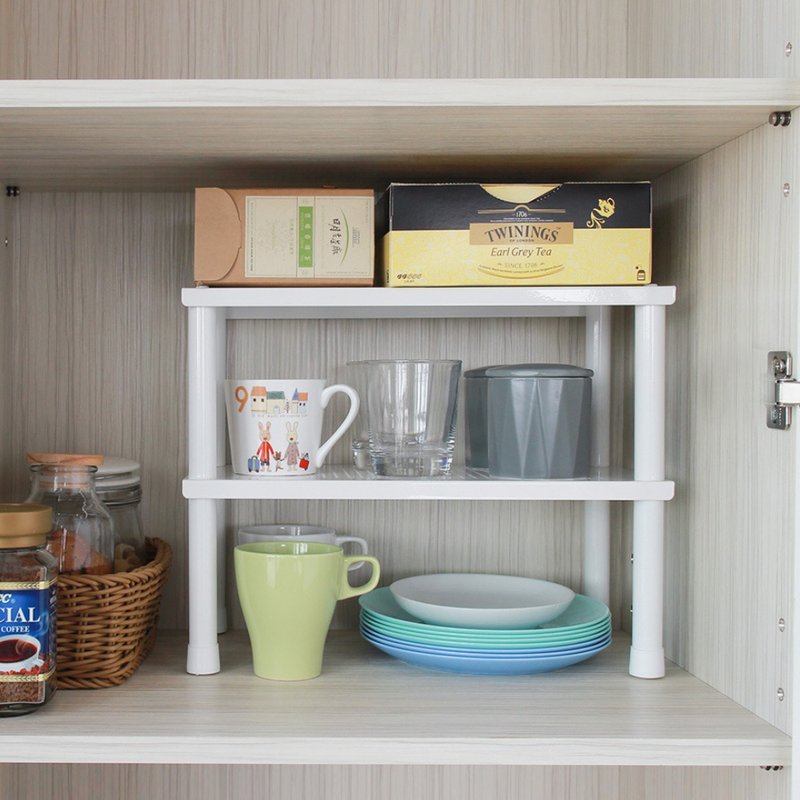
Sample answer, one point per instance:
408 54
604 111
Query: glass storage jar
27 609
82 538
118 484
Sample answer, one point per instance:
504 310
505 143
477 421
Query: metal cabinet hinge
780 119
786 393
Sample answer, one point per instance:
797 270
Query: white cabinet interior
725 235
738 106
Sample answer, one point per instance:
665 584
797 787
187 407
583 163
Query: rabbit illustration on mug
260 462
292 448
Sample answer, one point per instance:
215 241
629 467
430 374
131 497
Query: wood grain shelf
157 135
368 708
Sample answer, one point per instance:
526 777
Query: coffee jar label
27 631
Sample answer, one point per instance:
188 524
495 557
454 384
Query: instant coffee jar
27 609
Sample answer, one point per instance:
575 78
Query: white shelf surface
380 302
348 483
177 134
368 708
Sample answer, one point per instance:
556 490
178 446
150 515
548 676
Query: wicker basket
106 624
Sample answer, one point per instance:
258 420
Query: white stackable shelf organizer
209 483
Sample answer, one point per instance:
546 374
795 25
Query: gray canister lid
537 371
480 372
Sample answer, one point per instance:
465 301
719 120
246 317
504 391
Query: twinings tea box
517 234
284 237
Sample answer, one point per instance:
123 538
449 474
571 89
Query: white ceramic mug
275 425
308 533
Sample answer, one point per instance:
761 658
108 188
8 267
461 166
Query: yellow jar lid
24 524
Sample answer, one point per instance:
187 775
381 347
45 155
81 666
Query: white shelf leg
596 536
221 426
222 558
203 655
647 641
597 550
202 449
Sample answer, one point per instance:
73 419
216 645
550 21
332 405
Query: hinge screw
12 191
781 624
631 558
788 49
787 189
781 695
780 119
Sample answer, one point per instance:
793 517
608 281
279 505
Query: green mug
288 592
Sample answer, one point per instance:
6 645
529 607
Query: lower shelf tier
348 483
368 708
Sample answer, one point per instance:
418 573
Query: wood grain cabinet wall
98 244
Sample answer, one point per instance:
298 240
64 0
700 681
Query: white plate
466 600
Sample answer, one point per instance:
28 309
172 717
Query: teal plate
413 639
434 636
585 619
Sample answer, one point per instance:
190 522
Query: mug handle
327 393
362 543
346 590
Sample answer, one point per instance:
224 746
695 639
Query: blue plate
376 636
467 665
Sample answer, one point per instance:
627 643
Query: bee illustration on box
601 213
292 448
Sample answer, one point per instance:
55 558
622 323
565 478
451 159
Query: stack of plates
580 631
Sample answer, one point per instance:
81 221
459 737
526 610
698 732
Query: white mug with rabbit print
275 425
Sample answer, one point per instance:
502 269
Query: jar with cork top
27 609
82 538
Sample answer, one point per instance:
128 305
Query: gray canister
538 419
475 418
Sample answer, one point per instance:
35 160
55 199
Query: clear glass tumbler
411 416
356 377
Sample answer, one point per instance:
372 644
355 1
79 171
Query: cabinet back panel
7 245
712 39
309 39
727 237
97 349
98 344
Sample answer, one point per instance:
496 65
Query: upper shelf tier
174 135
338 482
416 302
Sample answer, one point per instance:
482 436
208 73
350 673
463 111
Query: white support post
202 405
221 426
596 529
647 646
